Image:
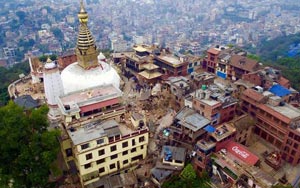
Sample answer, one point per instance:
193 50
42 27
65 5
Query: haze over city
150 93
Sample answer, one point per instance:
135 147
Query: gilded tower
86 50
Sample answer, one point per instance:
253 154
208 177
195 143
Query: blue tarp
210 129
279 90
221 74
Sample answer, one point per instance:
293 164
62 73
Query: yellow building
104 148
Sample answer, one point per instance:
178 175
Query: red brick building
266 78
66 59
210 62
215 140
240 65
276 122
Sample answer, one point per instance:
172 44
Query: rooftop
210 102
178 153
279 90
26 101
213 51
94 130
243 63
206 144
173 61
286 110
223 131
92 95
191 119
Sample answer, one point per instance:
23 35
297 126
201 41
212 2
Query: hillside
283 53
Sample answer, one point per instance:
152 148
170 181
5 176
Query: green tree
187 179
29 149
53 57
188 173
43 58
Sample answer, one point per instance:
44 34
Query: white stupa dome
75 78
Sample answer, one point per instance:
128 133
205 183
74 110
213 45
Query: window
69 152
100 141
142 146
85 146
114 156
125 162
100 161
139 157
112 166
141 139
101 170
113 148
125 152
86 166
124 144
89 156
133 142
101 152
133 150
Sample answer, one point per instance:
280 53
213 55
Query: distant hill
280 47
283 53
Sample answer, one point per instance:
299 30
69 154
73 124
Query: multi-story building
135 60
240 65
188 125
179 87
171 65
215 139
244 125
215 106
98 149
276 121
210 62
266 77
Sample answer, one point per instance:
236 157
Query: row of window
87 145
112 166
114 148
102 152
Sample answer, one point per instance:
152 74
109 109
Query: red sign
241 153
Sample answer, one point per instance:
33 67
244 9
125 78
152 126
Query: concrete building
102 102
188 125
172 159
103 148
215 138
276 121
171 65
245 126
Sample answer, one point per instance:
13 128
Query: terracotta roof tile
243 63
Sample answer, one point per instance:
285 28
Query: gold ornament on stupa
86 50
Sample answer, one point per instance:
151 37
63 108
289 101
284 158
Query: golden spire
86 50
82 15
